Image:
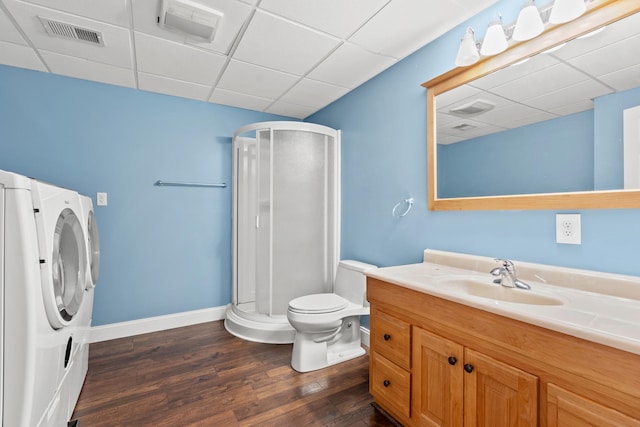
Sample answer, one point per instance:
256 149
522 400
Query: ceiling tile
173 87
532 118
241 100
290 110
88 70
547 80
452 97
625 79
8 31
282 45
253 80
581 105
117 45
508 115
313 93
609 58
515 71
583 91
164 58
145 13
337 17
427 20
20 56
111 11
350 66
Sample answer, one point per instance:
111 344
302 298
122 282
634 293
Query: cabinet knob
386 383
452 360
387 337
468 368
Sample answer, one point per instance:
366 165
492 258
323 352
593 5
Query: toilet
328 325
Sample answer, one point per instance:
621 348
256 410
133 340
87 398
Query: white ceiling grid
548 85
289 57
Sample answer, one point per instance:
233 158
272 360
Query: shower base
257 327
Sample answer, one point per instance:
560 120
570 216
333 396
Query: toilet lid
318 303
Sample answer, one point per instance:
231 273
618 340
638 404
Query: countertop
603 318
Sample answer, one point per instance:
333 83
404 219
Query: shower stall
286 223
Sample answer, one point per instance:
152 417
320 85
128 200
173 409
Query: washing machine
44 264
67 291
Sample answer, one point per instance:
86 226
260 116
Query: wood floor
202 376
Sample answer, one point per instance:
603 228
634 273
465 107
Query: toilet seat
318 304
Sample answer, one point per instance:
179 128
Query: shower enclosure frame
272 327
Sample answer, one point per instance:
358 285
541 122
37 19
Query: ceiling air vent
69 31
189 17
464 127
473 108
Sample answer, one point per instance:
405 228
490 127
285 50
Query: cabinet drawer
391 338
390 383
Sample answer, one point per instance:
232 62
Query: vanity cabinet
453 384
435 362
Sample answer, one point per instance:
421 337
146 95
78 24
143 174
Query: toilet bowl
328 325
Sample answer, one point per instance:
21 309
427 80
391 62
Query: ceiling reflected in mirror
555 83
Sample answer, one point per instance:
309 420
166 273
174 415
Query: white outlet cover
101 199
568 229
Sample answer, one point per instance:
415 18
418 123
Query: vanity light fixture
468 50
566 10
495 40
529 23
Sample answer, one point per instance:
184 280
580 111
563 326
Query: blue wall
551 156
164 249
384 159
167 250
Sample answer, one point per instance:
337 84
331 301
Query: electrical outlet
101 199
568 229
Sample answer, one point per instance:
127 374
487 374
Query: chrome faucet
506 275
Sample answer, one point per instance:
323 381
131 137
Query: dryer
66 296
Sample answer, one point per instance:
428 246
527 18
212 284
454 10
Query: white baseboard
154 324
365 336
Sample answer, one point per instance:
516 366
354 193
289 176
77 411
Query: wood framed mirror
600 13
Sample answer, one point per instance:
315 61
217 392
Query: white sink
485 289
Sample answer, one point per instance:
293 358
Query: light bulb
495 40
566 10
468 51
529 23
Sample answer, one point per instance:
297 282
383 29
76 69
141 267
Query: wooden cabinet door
437 380
497 394
566 409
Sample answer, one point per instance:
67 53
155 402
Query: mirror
537 128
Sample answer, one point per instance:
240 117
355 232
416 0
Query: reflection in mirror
552 123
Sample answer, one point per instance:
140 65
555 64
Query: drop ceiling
548 85
288 57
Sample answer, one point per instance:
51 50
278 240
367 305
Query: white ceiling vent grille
73 32
473 108
464 127
190 17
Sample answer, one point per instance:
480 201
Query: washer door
93 241
63 295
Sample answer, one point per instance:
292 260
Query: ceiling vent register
474 108
73 32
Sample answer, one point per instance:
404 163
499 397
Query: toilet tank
350 282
